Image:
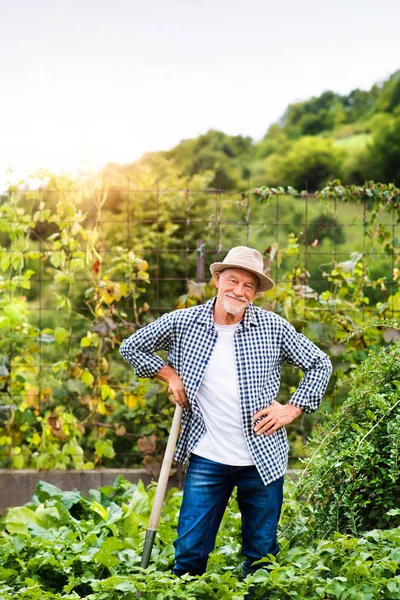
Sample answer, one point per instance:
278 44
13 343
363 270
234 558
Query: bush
310 163
352 481
384 152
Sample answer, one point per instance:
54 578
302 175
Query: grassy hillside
358 141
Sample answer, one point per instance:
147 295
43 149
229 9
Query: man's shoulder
187 315
264 316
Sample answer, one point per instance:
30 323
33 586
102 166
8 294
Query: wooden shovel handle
165 469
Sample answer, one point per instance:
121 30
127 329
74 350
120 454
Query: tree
319 113
359 103
389 97
310 163
226 155
275 140
384 152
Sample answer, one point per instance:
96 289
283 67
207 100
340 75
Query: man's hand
175 385
274 417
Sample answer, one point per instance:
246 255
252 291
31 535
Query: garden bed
65 546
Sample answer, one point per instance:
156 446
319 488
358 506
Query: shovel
161 487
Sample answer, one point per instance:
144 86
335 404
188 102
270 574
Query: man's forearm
175 385
295 410
165 373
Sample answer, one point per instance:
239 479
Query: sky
95 81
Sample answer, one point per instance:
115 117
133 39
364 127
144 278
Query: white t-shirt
218 399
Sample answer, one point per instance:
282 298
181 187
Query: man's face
236 289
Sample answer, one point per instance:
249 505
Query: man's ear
216 279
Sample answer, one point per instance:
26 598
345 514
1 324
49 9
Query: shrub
311 161
352 481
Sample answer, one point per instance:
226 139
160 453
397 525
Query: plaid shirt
263 341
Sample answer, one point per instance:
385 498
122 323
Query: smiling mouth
235 299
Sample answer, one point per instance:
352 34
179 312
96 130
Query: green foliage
214 151
324 227
310 163
152 196
58 380
68 402
344 118
352 477
356 165
275 141
389 96
360 103
66 546
384 151
329 110
313 116
351 297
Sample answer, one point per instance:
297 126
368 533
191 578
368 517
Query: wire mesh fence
177 234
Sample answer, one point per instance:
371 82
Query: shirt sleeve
139 347
298 350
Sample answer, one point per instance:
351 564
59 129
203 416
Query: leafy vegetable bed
66 546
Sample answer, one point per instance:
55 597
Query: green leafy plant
58 378
65 546
351 479
72 289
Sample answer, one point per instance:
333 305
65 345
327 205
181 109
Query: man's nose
239 289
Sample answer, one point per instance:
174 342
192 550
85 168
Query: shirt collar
206 315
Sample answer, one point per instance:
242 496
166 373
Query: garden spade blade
161 487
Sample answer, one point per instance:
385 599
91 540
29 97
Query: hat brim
266 283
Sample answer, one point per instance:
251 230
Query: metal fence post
200 261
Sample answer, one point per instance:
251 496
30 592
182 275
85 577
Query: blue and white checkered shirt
263 341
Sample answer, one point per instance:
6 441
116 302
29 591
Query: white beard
232 307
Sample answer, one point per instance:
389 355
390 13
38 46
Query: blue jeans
208 486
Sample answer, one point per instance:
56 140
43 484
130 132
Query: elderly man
223 367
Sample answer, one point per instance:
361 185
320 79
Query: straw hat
249 259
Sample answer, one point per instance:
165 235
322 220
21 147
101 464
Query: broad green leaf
100 510
75 386
60 334
14 313
105 391
5 323
87 378
46 490
6 574
47 516
55 258
105 555
139 502
104 448
18 519
125 586
18 462
393 586
5 262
